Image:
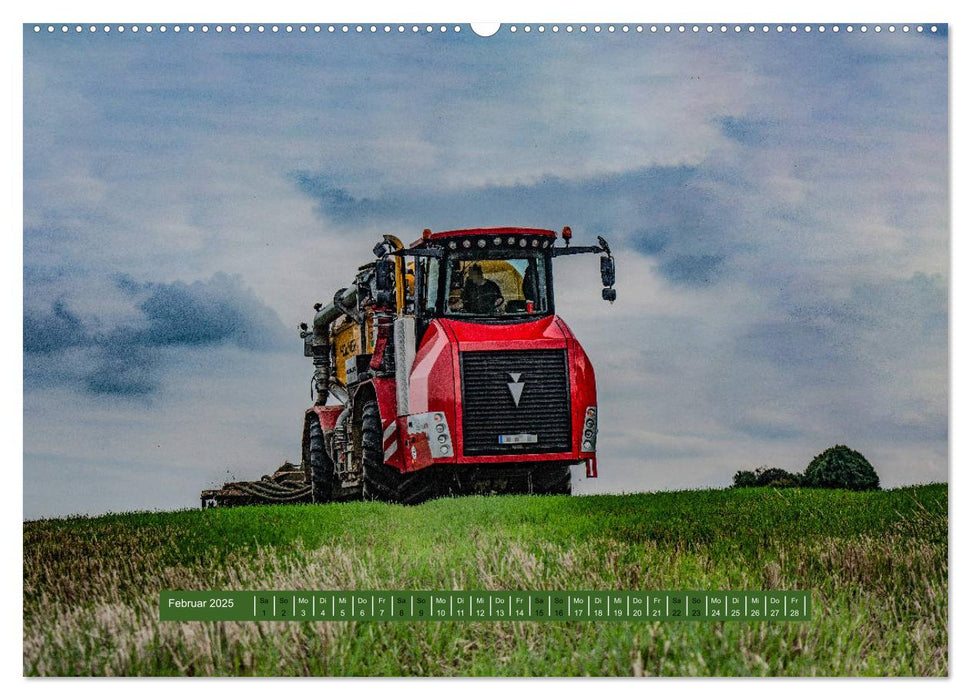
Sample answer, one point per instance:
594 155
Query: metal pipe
330 313
321 340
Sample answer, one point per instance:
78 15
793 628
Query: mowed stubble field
876 564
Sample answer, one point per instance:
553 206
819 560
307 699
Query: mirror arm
579 250
419 252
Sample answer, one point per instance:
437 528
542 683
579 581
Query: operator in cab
479 294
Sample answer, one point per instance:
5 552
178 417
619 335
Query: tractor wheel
377 477
321 466
380 483
385 483
420 486
551 481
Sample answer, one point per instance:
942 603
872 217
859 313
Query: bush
839 467
776 477
743 479
766 476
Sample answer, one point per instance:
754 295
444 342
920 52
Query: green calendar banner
530 606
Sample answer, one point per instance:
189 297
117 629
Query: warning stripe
389 431
391 450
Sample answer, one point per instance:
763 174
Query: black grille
488 408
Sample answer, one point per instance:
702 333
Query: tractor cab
485 276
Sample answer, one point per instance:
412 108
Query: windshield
500 284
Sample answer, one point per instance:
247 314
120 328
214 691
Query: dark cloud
650 242
203 313
666 212
337 203
52 329
127 359
746 131
123 369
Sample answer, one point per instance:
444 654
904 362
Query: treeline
839 467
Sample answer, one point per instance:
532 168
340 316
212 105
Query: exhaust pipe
404 358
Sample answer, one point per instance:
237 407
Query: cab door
427 293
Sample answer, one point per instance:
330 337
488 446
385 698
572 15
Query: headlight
590 429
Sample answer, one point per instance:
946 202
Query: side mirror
608 274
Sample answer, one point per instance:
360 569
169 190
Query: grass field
876 564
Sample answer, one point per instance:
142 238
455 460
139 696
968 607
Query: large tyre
551 481
321 466
377 477
421 486
324 481
383 482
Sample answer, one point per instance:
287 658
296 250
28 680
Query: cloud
745 130
47 331
129 359
691 231
336 203
218 311
123 369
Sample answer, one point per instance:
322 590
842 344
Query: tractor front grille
489 409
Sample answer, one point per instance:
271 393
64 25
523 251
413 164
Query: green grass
876 563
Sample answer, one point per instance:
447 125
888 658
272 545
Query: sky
777 204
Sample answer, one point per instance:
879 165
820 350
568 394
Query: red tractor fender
326 415
386 394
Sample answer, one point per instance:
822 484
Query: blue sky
777 204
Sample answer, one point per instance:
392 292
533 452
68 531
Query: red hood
546 332
436 375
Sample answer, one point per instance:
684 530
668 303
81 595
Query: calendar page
536 349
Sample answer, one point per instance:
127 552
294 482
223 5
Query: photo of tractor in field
444 369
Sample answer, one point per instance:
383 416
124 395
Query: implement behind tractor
443 369
288 484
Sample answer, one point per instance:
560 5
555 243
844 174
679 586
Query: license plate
519 439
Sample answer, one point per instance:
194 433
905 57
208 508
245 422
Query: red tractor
450 372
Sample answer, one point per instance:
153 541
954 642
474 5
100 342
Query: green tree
773 476
839 467
744 479
766 476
